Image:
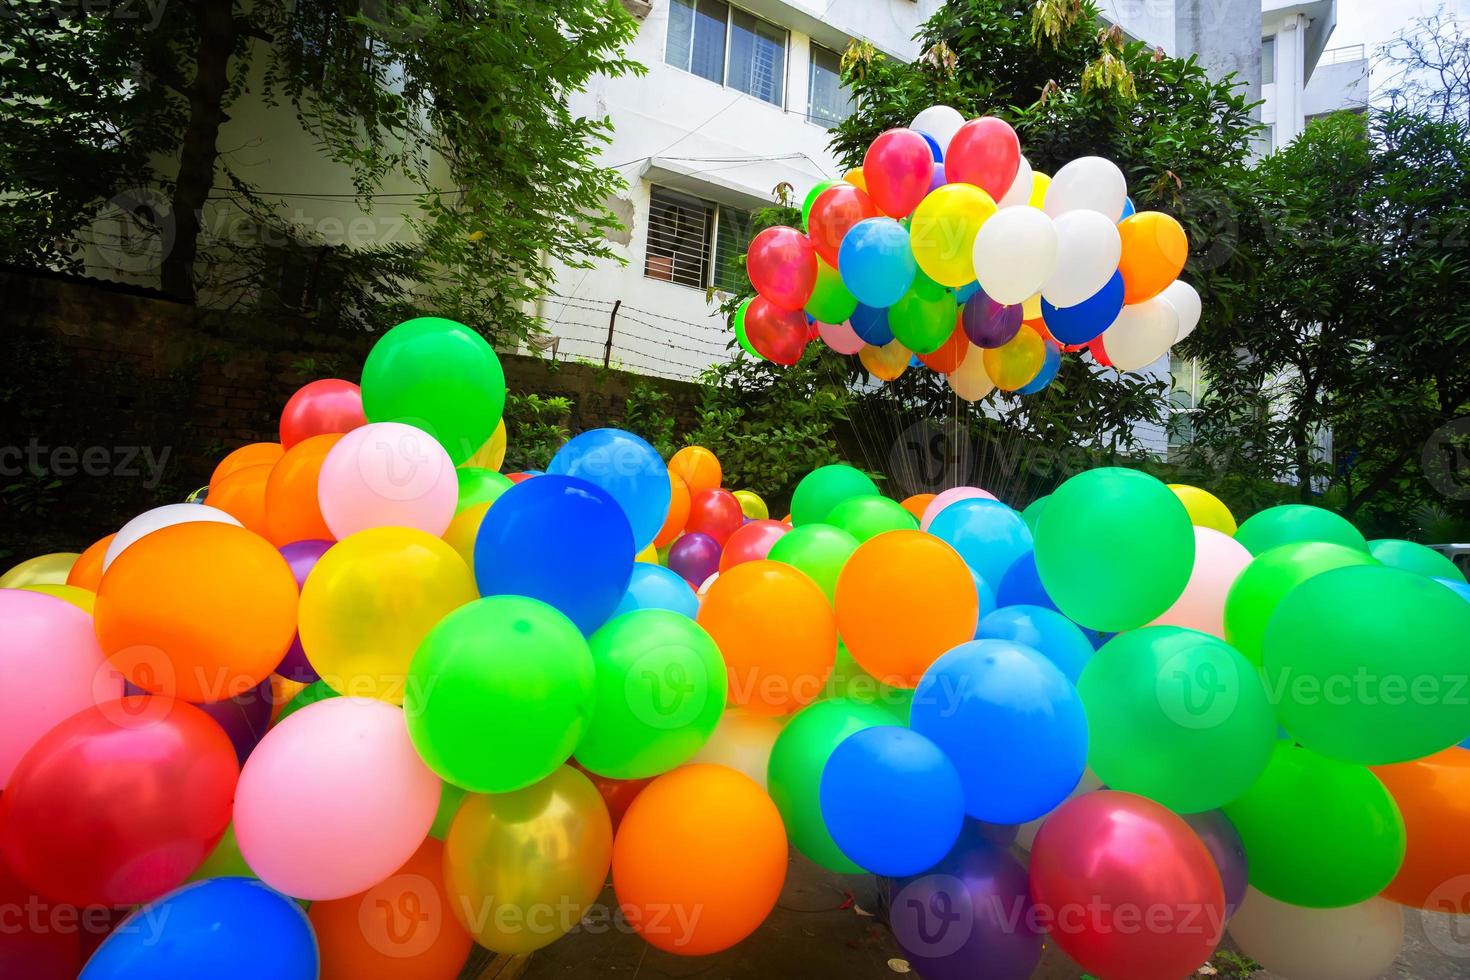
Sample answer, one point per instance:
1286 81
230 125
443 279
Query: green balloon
824 488
310 694
1414 557
867 517
1268 578
450 797
1318 832
478 486
848 680
1277 526
1032 513
225 861
811 198
1176 715
1370 664
499 693
820 550
440 376
1114 548
795 773
830 300
924 317
739 327
660 693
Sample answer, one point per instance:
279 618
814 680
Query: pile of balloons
374 702
945 249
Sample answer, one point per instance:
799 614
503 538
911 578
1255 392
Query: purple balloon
988 323
970 917
1224 844
695 557
938 180
302 557
244 717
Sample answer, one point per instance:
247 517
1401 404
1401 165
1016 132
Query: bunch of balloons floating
375 701
946 249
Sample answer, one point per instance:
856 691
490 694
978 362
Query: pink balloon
334 799
898 169
752 541
782 265
50 668
951 496
985 152
1218 561
387 474
841 337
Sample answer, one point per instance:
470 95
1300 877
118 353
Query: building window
728 45
828 100
1185 389
695 243
1268 61
732 239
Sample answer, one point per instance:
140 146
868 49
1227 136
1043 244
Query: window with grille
695 243
696 40
732 239
728 45
828 100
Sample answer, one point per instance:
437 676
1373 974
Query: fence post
611 320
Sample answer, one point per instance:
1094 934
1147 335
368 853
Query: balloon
628 468
751 505
1297 522
985 152
938 122
695 557
833 214
1141 335
617 794
886 363
830 301
810 200
1205 509
1259 589
783 268
1154 252
438 376
561 540
243 718
678 514
824 488
242 496
52 569
202 611
1186 302
776 334
876 262
1088 248
988 535
251 454
656 587
1225 847
223 928
334 799
1033 510
505 671
491 455
157 519
751 542
1050 365
1413 557
869 516
1218 561
1046 631
292 507
1318 832
1433 796
819 550
1019 193
370 600
776 631
521 868
1354 942
969 381
86 571
1119 856
840 337
916 505
118 802
1014 254
1018 361
1091 184
942 501
951 355
943 230
1040 184
701 837
1114 548
924 317
386 474
482 486
716 513
1368 663
1031 717
897 170
1089 318
738 325
871 325
321 407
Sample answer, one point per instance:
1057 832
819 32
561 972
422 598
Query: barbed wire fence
615 334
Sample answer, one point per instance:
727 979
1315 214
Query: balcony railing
1344 55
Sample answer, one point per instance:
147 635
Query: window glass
1268 61
678 238
757 57
829 102
696 41
732 239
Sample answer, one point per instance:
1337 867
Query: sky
1371 22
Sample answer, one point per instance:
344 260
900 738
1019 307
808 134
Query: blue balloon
875 261
561 540
989 536
1049 368
934 149
1459 588
891 800
985 593
221 928
655 587
1044 630
1022 586
1011 722
963 294
1129 210
1089 318
871 324
628 468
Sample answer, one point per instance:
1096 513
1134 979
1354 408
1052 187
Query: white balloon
1015 252
1088 250
742 741
940 122
969 380
1186 302
161 517
1088 184
1353 942
1142 334
1020 190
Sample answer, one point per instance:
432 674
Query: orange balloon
1433 795
699 860
903 600
915 505
250 454
86 571
1017 362
400 929
241 494
950 354
292 511
283 689
885 363
697 467
201 611
776 631
1155 249
678 514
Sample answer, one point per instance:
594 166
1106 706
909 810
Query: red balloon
518 477
751 541
898 169
836 210
321 407
783 268
714 512
1099 352
951 354
985 152
777 335
1126 887
618 794
119 803
40 939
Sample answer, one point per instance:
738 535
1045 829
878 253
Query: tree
464 102
1425 68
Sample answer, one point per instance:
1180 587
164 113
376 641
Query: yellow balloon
49 569
521 868
462 531
942 232
371 599
83 599
1016 363
1031 308
752 506
648 554
855 177
1039 183
490 456
1205 509
887 362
